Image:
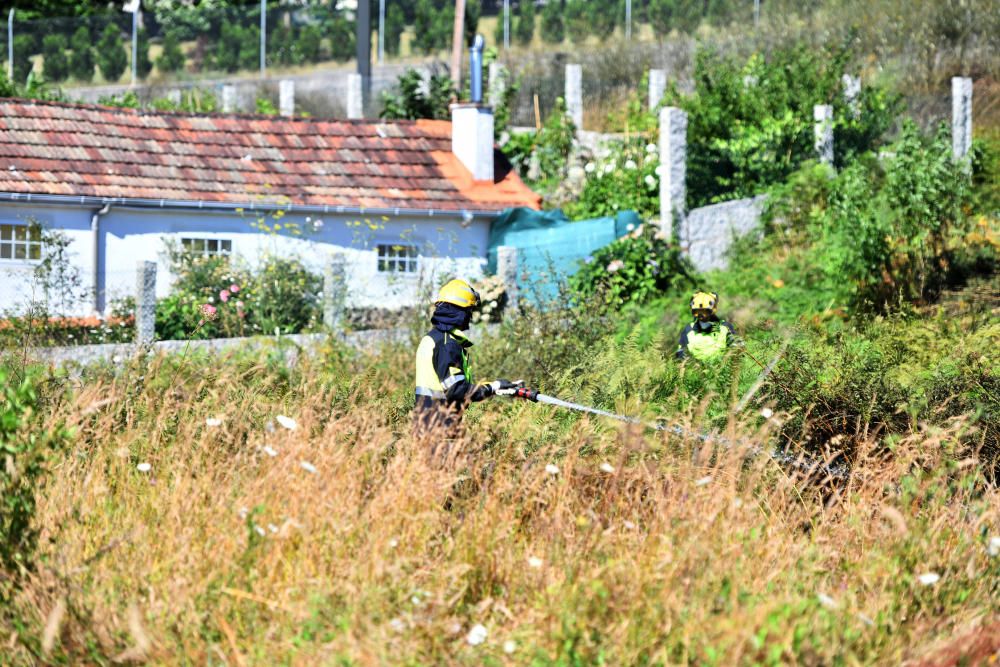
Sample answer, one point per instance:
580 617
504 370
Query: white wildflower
651 148
660 170
270 451
213 421
993 547
609 167
650 181
271 527
826 601
867 620
397 624
628 525
393 543
551 469
615 265
259 530
269 427
244 512
287 422
630 164
607 467
929 578
629 227
534 561
509 646
590 167
703 481
308 467
144 467
477 635
767 413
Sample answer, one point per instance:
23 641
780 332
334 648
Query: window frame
30 244
405 257
189 245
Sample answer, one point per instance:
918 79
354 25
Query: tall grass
342 542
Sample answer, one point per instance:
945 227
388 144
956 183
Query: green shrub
28 448
172 57
408 100
310 43
524 28
227 49
625 181
342 36
284 295
633 269
395 24
553 27
55 66
112 58
551 144
143 63
81 61
680 15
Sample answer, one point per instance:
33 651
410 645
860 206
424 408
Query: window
20 242
396 258
207 247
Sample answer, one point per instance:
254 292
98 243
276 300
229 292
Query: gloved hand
505 387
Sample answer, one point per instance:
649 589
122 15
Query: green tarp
550 247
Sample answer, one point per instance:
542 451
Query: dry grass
225 552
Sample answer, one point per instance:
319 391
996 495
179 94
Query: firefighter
444 380
707 337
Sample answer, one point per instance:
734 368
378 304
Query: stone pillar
574 95
852 93
174 96
333 291
145 303
286 97
672 169
961 116
507 270
355 96
228 98
497 84
657 86
823 132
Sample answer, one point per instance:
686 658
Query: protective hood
448 316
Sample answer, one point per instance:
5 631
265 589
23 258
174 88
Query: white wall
446 248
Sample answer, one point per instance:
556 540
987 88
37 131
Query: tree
112 58
684 15
55 67
553 28
310 43
342 36
81 62
23 50
143 63
524 30
577 20
395 24
172 58
424 28
473 10
227 49
411 102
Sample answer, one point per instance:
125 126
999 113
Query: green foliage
23 50
577 19
432 25
144 65
750 124
633 269
553 27
310 43
171 59
265 106
340 32
236 45
681 15
55 65
409 101
551 146
473 10
395 24
112 58
81 61
282 294
524 28
28 448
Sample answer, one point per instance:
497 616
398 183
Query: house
406 203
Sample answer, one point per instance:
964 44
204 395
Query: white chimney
472 138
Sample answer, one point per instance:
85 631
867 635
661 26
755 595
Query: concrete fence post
961 116
228 98
174 95
823 132
852 93
507 270
145 303
574 95
673 169
333 291
497 84
355 96
657 86
286 97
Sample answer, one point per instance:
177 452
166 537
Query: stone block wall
708 232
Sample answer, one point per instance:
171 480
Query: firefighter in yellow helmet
444 382
707 337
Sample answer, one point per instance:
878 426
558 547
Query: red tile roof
83 150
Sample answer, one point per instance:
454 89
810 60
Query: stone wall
707 232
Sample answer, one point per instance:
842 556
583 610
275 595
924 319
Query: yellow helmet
704 301
459 293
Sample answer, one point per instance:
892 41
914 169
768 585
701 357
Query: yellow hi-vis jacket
705 341
443 379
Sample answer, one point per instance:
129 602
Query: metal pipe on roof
182 205
476 69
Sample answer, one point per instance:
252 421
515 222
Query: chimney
472 123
